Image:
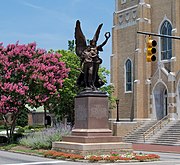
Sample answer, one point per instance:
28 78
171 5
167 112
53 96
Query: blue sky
51 23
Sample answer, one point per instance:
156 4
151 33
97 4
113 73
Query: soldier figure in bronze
90 60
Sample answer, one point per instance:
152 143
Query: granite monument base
92 148
91 134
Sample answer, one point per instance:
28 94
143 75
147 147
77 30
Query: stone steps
168 135
137 134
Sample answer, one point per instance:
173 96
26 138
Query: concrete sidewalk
156 148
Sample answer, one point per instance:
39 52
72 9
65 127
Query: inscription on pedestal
98 111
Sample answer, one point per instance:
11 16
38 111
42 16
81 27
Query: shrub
43 139
17 136
20 129
2 127
34 127
3 139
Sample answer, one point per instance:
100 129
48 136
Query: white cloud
52 13
31 5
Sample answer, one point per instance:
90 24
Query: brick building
146 90
36 116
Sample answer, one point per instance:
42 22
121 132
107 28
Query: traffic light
150 50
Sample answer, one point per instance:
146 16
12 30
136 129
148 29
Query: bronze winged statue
90 60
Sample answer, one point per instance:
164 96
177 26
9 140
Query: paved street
8 158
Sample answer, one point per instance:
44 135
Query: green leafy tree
22 119
71 45
70 89
65 105
109 88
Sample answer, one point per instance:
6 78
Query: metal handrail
159 125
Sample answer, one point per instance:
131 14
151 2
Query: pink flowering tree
27 76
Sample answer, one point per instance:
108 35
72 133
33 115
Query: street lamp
117 105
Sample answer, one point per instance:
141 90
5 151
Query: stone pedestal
91 133
91 115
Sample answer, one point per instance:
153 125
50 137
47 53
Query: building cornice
124 10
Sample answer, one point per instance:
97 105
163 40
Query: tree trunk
10 127
45 116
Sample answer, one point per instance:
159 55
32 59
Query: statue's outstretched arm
107 35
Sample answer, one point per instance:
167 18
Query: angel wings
80 39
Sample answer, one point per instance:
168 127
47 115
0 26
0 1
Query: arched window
166 43
128 72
